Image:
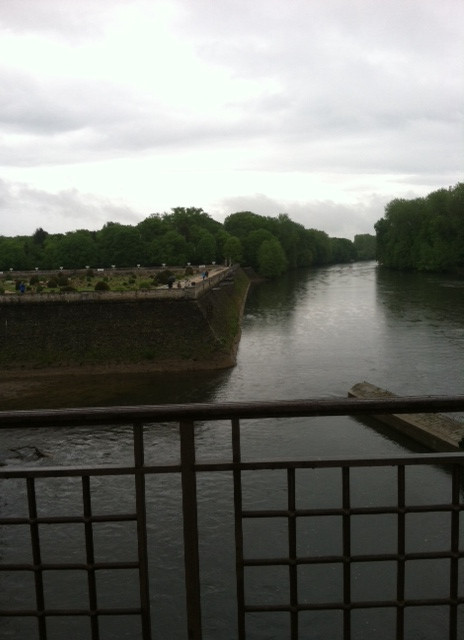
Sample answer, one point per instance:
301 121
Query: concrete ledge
435 431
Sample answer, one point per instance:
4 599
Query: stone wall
156 333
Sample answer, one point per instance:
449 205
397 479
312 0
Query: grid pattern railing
292 600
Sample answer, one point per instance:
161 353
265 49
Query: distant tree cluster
186 235
425 234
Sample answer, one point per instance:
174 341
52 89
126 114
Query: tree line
186 235
425 234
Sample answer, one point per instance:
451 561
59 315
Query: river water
310 334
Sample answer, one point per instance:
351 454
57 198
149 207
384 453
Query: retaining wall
197 327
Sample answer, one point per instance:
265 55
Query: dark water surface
310 334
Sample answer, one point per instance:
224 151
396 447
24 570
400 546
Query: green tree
423 233
365 246
318 242
174 249
205 247
252 243
242 223
271 258
233 250
342 250
77 249
119 244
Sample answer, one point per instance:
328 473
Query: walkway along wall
197 328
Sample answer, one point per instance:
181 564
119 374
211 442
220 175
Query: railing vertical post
240 578
36 558
292 554
346 554
454 568
142 542
190 517
90 556
401 550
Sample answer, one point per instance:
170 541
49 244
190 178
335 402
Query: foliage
233 250
426 234
342 250
164 276
186 235
271 258
365 246
102 285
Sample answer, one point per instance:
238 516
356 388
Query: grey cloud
337 220
25 208
350 78
60 18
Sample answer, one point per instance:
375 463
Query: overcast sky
323 109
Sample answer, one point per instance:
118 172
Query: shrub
67 289
34 280
163 276
62 280
101 285
52 283
189 271
144 285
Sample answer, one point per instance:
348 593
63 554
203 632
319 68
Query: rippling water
309 334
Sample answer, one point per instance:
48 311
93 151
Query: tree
251 244
205 247
365 246
174 249
318 242
424 233
76 249
39 237
271 258
233 250
119 244
342 250
242 223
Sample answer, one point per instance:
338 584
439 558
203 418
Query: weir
435 431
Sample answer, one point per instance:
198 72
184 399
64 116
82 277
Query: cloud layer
341 104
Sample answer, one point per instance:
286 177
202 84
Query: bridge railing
291 600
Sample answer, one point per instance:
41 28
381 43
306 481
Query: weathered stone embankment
160 331
435 431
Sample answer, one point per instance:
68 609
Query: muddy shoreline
101 385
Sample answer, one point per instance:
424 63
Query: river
310 334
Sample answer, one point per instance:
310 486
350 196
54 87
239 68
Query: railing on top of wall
295 604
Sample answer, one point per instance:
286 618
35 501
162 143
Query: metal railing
290 600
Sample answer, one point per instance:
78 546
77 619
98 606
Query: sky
111 110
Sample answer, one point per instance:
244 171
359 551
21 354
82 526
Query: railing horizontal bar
334 559
64 472
228 410
74 566
129 517
354 511
424 459
14 613
362 604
